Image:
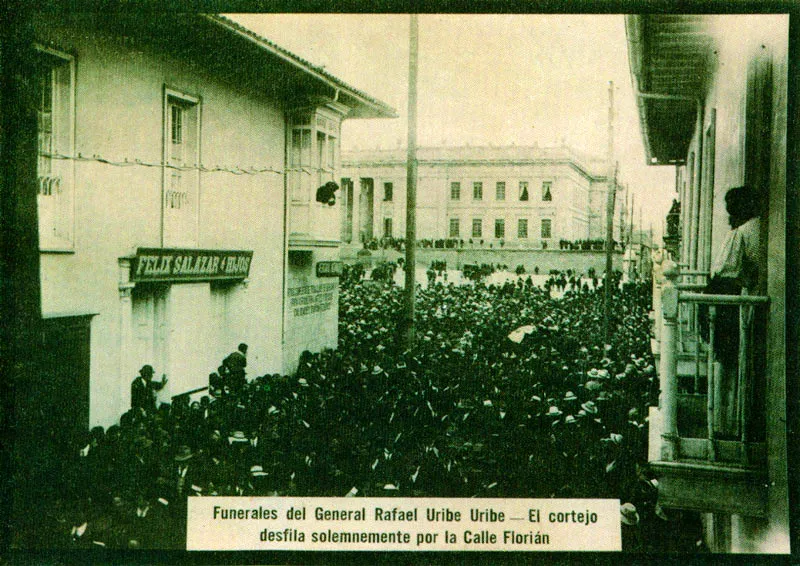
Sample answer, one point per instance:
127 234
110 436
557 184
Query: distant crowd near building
513 196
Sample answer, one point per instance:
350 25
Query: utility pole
612 189
630 228
411 187
623 227
641 229
630 238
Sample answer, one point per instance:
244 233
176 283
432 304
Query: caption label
402 524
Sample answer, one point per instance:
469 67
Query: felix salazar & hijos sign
161 264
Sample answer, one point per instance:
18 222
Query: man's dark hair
742 204
243 348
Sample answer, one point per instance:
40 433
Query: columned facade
499 196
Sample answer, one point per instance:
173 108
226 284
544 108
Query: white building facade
166 233
520 196
712 97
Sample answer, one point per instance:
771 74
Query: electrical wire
236 170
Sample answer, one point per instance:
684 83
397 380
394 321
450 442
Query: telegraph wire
236 170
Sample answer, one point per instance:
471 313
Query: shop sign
329 268
161 264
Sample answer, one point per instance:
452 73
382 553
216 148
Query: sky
487 79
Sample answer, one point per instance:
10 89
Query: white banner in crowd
403 524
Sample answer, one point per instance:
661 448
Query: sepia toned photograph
470 256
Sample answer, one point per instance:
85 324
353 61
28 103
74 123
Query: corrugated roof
383 109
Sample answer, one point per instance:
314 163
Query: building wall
745 41
576 210
118 115
312 305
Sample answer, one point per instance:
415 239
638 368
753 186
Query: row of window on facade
546 228
477 191
314 149
500 191
56 130
55 103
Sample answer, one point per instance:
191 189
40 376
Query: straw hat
554 411
237 436
184 453
257 471
589 407
628 514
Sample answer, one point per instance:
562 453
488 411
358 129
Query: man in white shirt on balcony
741 253
735 271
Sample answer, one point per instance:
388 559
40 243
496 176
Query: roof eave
361 105
637 63
633 26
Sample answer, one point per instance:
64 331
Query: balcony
707 446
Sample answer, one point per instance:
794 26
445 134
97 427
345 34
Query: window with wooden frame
547 228
523 190
181 171
477 190
455 228
500 190
455 190
499 228
55 113
477 227
522 228
547 195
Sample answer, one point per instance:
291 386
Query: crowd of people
476 408
398 244
385 243
586 245
476 272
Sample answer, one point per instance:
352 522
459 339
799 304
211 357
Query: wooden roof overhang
669 60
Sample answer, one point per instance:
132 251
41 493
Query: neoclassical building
522 196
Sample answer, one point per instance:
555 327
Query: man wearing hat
235 364
190 474
144 389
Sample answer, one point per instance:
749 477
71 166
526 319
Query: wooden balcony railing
680 336
686 281
688 322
